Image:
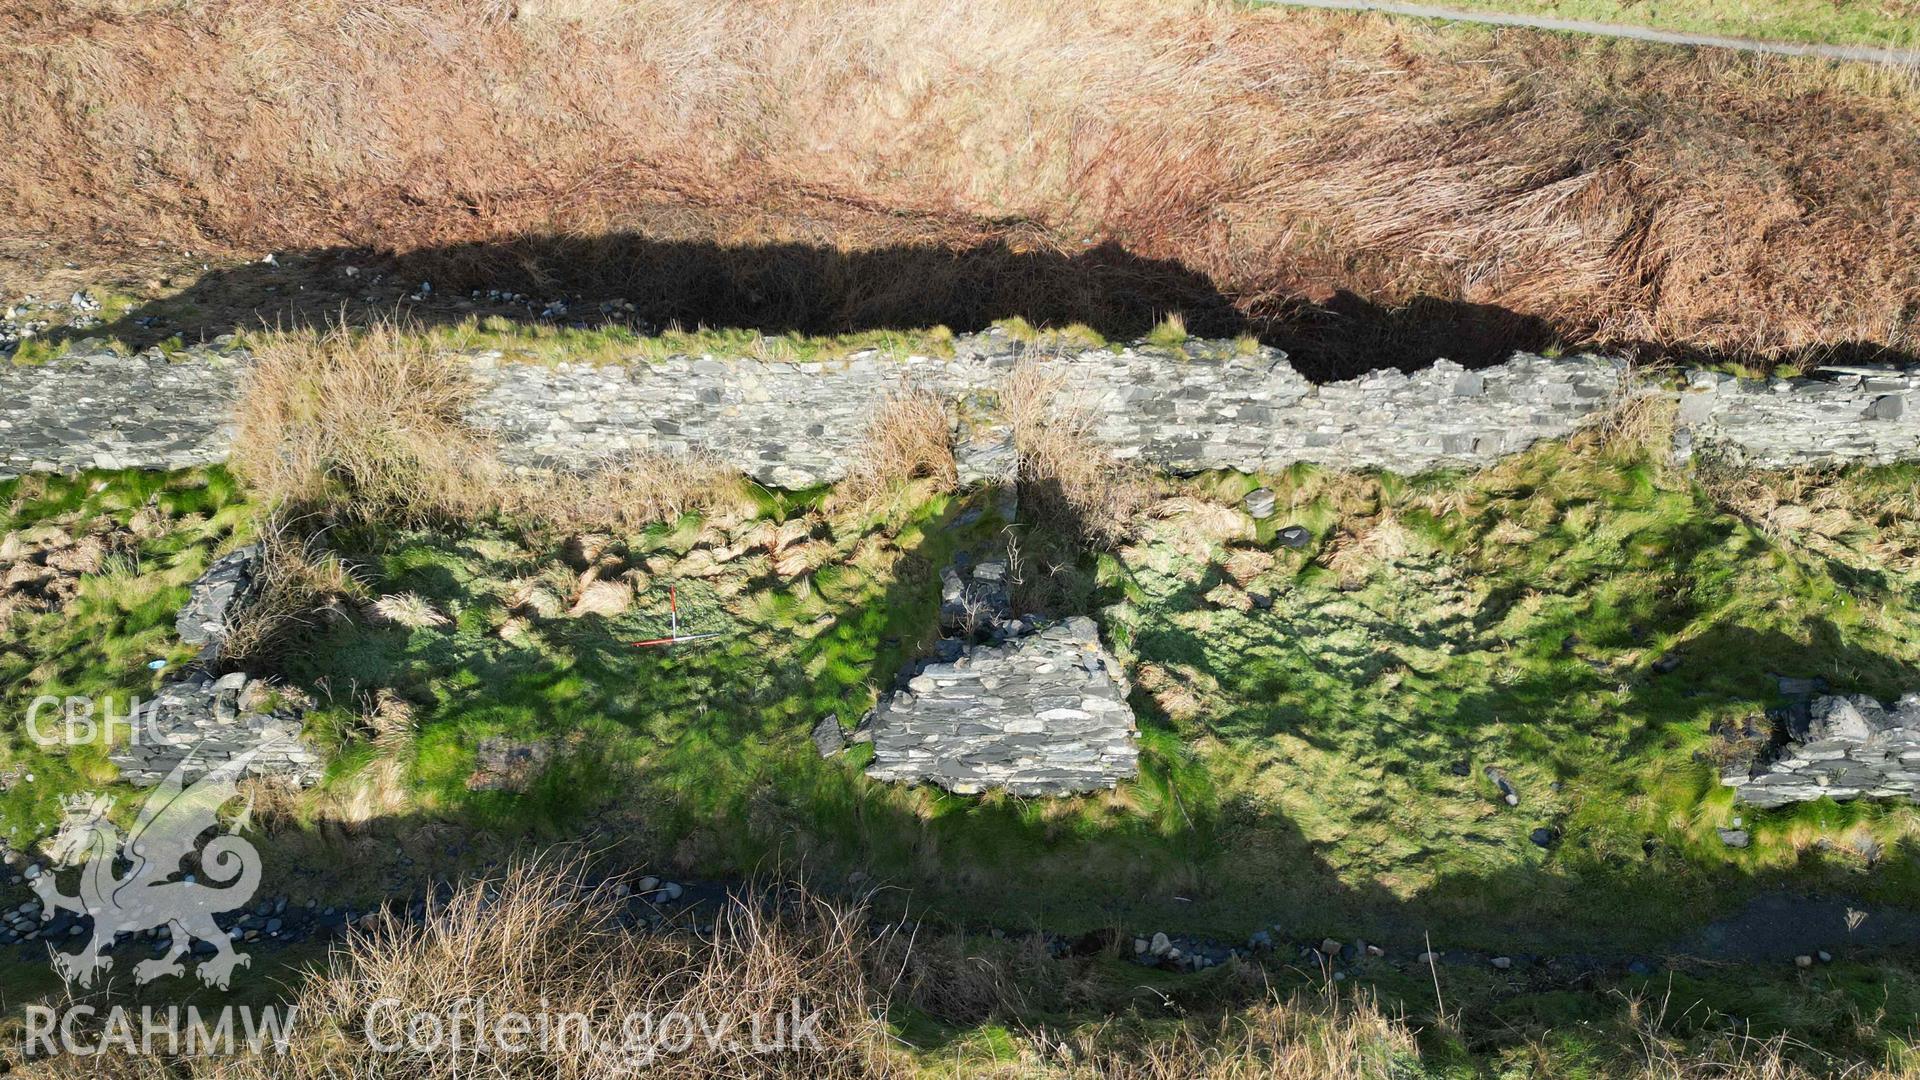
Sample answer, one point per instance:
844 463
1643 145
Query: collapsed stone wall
1038 713
1205 406
1839 747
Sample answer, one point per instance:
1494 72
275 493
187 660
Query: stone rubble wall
1846 414
1840 747
104 411
203 722
1044 713
1207 406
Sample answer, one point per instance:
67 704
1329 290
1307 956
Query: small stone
1544 837
1734 838
827 736
1260 503
1824 956
1294 536
1889 407
1803 961
1329 947
1508 793
1502 963
1159 946
1668 663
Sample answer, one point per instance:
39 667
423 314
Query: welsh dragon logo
154 890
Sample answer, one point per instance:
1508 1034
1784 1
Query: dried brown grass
369 424
296 580
1619 193
630 491
541 940
362 425
1846 515
910 438
1637 423
1069 482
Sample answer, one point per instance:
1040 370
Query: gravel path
1864 53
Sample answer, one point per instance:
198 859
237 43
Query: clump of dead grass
391 720
1637 423
410 610
545 940
296 581
1069 483
362 425
630 491
1846 514
909 438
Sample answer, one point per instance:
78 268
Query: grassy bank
1318 722
1102 163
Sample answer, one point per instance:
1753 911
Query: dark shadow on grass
821 290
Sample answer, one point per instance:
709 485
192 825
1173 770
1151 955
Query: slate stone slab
1840 747
204 721
1040 714
215 596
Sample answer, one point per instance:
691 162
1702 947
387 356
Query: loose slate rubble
1840 748
828 739
205 721
1044 713
974 596
214 597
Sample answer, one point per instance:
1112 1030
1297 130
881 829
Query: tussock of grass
910 438
295 580
1069 483
542 941
362 425
1168 333
1073 335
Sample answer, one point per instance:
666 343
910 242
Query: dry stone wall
1206 405
1839 747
